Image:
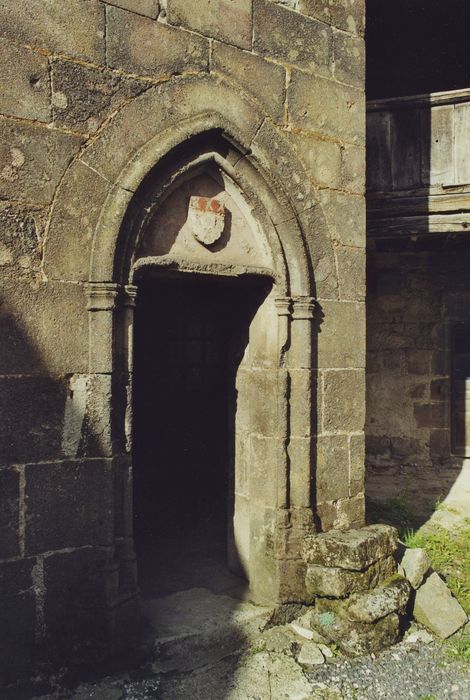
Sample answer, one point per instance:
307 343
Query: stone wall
77 75
418 290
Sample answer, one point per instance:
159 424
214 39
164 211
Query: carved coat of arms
206 217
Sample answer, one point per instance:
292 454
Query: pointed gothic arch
100 211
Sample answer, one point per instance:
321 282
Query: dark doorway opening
190 336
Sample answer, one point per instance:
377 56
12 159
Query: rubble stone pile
364 588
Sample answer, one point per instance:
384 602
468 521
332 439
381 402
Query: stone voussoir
351 549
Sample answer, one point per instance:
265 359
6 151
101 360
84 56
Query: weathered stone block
302 410
31 407
263 451
82 97
79 587
74 222
68 504
104 407
430 415
262 415
440 389
353 549
439 444
322 158
321 251
356 638
383 600
334 582
290 38
416 564
353 175
265 80
349 59
17 622
45 328
332 470
123 515
269 140
48 23
24 83
149 8
33 160
9 513
345 214
356 464
343 320
22 236
351 273
141 45
343 401
345 14
16 577
321 105
226 20
437 609
17 619
342 514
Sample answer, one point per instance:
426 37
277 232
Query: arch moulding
92 240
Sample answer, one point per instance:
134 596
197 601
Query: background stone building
198 168
418 254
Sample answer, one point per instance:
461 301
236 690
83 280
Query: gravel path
405 672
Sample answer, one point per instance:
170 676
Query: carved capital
303 308
102 296
283 306
129 296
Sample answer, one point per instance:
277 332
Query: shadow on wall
57 516
57 531
418 309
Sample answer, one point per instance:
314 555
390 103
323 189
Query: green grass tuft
459 647
449 551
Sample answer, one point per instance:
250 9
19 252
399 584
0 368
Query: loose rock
376 604
302 631
416 565
310 655
280 640
437 609
356 638
417 637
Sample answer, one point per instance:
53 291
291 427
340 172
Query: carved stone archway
96 227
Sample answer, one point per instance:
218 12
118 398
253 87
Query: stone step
196 627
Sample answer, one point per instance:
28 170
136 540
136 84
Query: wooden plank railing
418 163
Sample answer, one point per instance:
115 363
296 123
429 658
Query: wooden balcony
418 164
